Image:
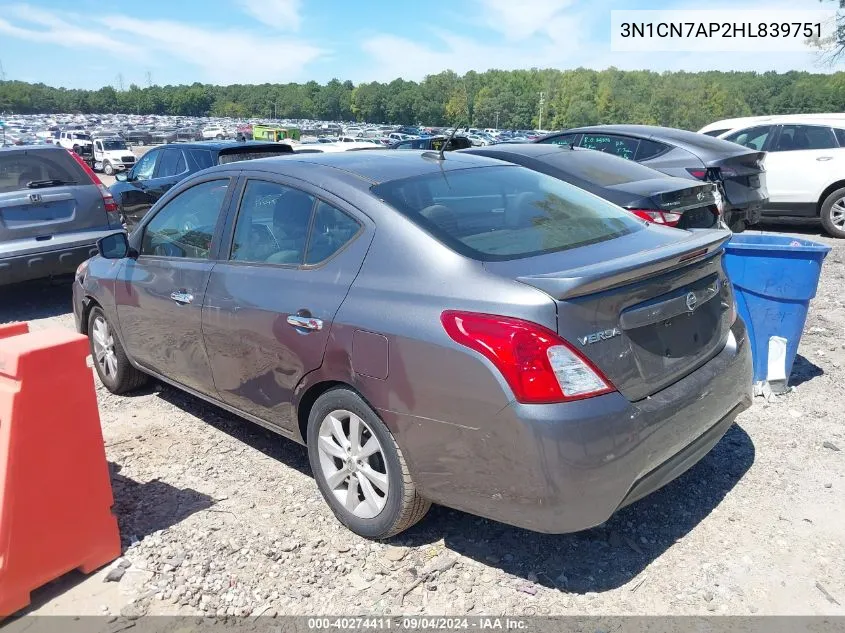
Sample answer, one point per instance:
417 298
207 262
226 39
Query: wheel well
837 185
86 311
307 401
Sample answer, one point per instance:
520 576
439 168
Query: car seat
291 216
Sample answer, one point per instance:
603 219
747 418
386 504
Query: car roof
32 148
829 118
216 145
379 165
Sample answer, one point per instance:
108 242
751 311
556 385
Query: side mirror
122 176
115 246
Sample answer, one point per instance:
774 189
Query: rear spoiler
609 274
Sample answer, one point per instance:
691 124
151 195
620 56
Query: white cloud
283 15
520 19
220 55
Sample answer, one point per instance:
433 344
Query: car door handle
825 158
305 323
182 298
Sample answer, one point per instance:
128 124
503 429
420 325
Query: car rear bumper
58 259
566 467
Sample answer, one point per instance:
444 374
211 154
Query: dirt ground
219 516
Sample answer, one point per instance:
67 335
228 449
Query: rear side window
622 146
184 227
501 213
272 224
331 231
649 149
801 137
202 158
30 170
840 136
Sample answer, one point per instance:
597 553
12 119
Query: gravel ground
219 516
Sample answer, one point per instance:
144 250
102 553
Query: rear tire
113 367
219 137
833 213
383 499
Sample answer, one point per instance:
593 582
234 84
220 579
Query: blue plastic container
774 278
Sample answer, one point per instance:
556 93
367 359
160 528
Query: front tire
833 213
108 170
359 468
112 365
219 137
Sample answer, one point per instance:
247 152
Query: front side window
752 137
145 167
272 224
623 146
185 226
501 213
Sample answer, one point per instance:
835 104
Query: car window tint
599 169
622 146
332 229
18 169
272 224
202 158
501 213
801 137
145 167
185 226
840 136
649 149
172 163
752 137
562 139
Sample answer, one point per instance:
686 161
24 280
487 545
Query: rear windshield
231 157
599 168
24 170
501 213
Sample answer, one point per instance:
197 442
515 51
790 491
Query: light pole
542 103
497 119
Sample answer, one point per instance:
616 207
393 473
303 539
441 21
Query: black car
160 168
738 171
433 143
140 137
647 193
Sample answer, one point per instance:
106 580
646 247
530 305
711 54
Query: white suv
214 131
805 163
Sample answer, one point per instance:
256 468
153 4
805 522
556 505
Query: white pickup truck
111 154
76 140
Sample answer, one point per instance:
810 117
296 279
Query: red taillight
658 217
538 365
108 200
696 172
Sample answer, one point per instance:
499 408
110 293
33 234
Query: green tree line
511 98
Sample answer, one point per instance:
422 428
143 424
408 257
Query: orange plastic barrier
55 492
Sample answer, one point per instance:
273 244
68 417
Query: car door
159 295
136 196
268 312
802 161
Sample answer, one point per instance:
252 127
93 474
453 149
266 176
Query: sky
90 43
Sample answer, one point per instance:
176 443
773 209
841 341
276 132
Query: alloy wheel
353 463
837 214
104 354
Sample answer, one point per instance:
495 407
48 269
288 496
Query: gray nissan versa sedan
461 331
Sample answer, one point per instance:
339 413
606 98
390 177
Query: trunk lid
32 207
697 203
648 313
743 177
